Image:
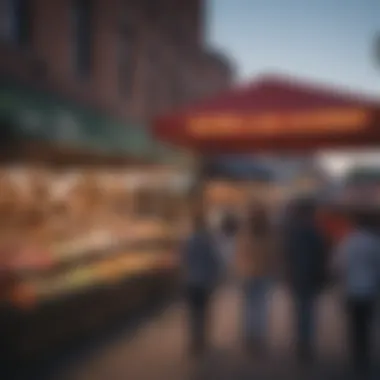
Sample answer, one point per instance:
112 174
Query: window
16 21
154 93
82 18
8 132
127 61
152 10
155 83
6 20
178 88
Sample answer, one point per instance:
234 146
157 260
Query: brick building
218 71
95 72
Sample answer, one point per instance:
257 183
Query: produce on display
87 220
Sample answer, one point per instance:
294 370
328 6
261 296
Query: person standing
305 249
226 240
357 262
255 267
200 270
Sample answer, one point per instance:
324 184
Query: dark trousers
255 313
360 315
305 324
198 304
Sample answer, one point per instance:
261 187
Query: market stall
274 114
80 249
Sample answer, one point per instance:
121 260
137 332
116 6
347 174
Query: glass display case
83 218
71 232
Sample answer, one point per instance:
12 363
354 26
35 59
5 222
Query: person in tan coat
255 265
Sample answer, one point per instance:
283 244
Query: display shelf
87 249
28 292
58 322
100 241
67 269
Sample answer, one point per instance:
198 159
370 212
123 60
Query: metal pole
200 177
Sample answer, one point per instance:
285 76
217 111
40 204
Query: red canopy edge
274 114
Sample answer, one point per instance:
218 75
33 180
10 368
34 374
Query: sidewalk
157 351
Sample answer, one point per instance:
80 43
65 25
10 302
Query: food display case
81 247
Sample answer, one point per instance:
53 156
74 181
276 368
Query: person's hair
258 222
366 219
229 225
198 220
304 208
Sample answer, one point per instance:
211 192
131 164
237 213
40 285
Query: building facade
218 72
127 61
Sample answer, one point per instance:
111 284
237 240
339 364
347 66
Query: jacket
200 262
357 261
255 255
305 250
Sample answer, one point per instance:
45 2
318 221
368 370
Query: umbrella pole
200 178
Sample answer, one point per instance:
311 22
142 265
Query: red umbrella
274 113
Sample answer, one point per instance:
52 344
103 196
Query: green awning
42 116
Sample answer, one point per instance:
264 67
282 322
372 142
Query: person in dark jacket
305 249
201 270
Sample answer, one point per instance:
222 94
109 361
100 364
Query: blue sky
328 40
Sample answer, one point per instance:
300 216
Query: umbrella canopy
271 114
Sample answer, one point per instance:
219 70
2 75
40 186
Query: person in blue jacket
200 272
356 263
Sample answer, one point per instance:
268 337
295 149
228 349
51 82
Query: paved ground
157 351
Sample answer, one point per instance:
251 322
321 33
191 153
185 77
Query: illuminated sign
330 121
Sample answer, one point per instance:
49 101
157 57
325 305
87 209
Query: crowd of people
257 254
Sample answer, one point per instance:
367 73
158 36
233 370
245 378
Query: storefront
73 182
